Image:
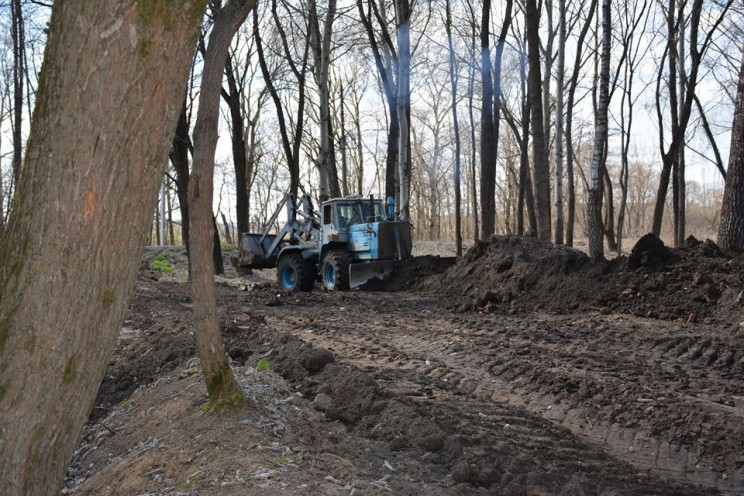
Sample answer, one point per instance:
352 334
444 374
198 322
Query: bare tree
329 185
539 150
67 270
594 208
179 157
19 77
386 61
456 130
223 389
679 120
570 105
630 18
560 79
233 98
403 102
291 146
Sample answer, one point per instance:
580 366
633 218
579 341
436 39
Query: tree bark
19 43
559 122
731 227
69 256
322 44
403 17
594 204
681 204
240 165
179 157
473 171
487 146
456 129
539 151
223 389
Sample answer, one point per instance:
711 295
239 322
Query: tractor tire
336 271
294 273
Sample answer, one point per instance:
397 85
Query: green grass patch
163 262
262 365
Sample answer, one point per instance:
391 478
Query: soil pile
511 274
407 273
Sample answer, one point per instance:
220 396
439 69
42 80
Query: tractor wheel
294 273
336 271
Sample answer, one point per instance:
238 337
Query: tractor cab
339 215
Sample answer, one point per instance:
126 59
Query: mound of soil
511 274
407 273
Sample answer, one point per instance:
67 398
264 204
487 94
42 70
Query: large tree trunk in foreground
731 228
69 257
223 389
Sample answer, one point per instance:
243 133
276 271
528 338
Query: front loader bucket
360 273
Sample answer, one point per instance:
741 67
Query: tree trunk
473 172
731 227
322 49
681 189
456 129
223 389
344 163
559 122
497 94
68 265
219 266
609 223
233 99
19 43
179 157
526 196
594 204
487 149
539 151
171 230
403 16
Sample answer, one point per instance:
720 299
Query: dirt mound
407 273
501 271
511 274
651 253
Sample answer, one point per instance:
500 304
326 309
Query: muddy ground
519 369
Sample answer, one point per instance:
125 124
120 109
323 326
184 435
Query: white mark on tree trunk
114 28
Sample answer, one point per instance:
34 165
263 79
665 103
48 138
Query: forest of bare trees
319 97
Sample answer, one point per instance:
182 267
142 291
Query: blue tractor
351 241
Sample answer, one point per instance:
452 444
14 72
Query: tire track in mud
660 397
